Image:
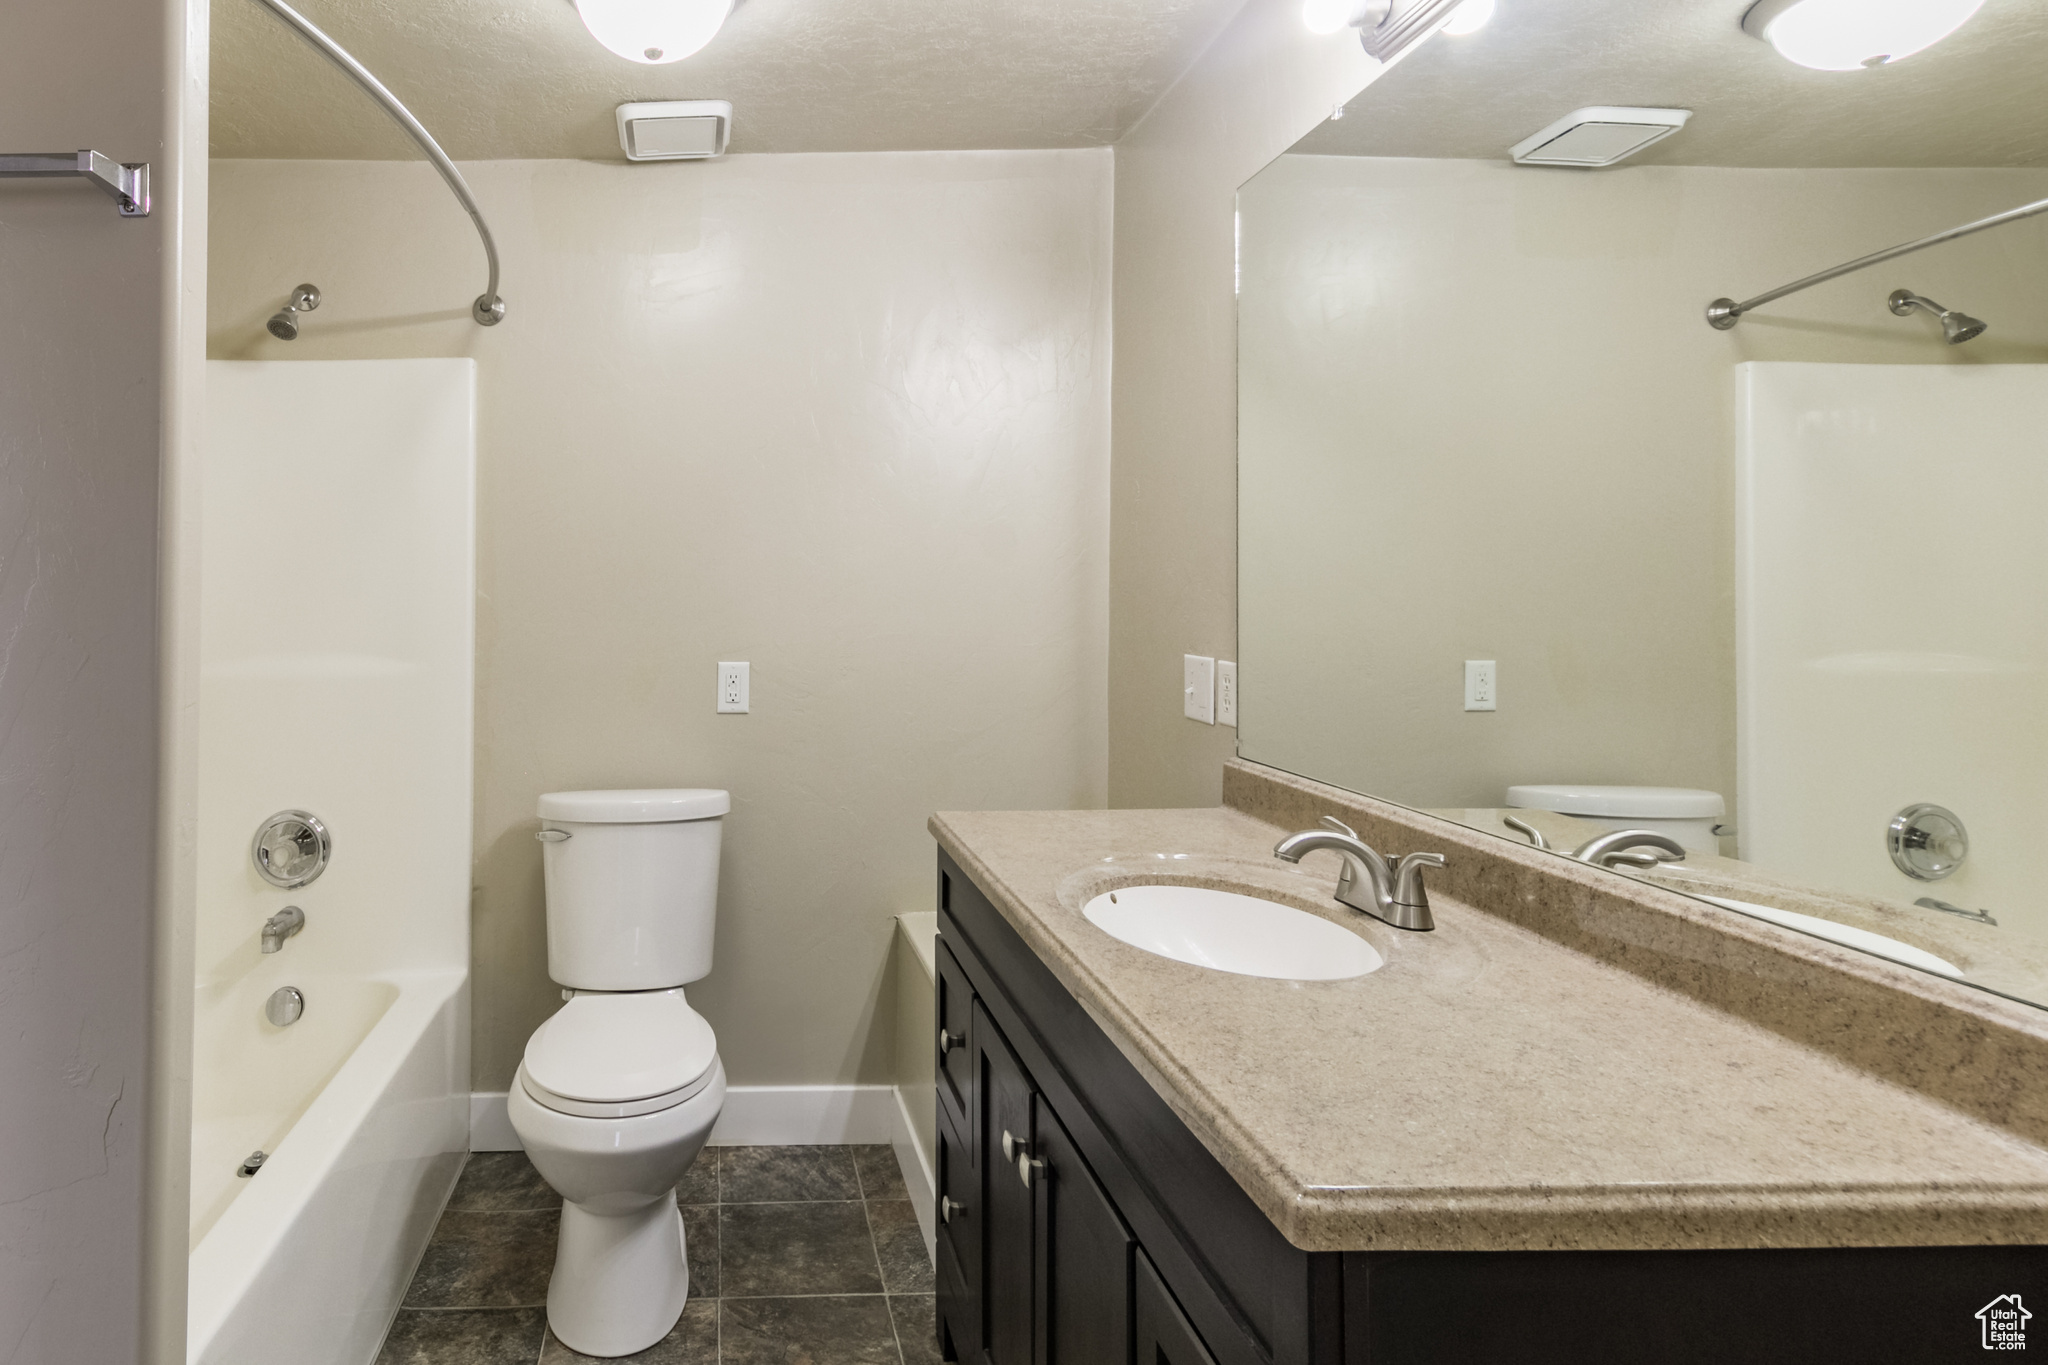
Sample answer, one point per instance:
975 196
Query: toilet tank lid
1627 803
613 1049
639 806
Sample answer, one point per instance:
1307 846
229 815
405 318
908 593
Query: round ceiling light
1847 35
654 32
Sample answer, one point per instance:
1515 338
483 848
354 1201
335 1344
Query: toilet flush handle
553 836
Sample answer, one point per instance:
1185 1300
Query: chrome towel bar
126 182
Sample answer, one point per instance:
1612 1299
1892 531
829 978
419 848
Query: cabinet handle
948 1206
949 1041
1011 1146
1029 1168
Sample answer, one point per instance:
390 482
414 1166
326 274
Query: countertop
1490 1088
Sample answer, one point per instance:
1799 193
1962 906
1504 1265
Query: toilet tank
632 885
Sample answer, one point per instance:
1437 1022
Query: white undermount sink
1228 932
1849 937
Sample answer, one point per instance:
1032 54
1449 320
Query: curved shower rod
1725 313
489 309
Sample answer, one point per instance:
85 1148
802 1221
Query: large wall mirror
1528 543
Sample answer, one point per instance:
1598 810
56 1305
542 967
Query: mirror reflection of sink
1228 932
1843 934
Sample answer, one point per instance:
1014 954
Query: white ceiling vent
675 130
1598 136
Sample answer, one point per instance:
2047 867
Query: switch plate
1198 690
1482 685
1226 693
732 689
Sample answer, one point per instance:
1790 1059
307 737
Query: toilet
619 1089
1687 814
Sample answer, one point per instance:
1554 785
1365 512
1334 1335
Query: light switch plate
1482 685
1226 693
1198 696
732 688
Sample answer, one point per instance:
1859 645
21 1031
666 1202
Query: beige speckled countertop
1493 1088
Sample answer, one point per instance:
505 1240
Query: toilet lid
1624 803
613 1049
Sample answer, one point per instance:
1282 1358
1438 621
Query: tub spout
282 926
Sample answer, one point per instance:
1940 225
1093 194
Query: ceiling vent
675 130
1598 136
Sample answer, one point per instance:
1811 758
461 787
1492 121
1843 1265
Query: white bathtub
306 1261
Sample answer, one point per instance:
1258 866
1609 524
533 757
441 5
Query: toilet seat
611 1056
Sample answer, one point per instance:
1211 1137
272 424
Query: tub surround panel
1512 1083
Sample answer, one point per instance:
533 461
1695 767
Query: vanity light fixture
654 32
1387 28
1848 35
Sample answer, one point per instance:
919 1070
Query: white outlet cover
1198 688
1226 692
1482 685
733 686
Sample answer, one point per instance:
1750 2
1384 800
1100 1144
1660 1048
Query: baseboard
753 1116
917 1169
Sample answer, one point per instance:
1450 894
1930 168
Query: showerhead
1957 326
284 323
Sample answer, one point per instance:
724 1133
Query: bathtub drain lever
252 1163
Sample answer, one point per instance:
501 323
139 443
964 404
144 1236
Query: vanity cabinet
1083 1223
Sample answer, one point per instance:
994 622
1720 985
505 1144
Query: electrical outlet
1198 688
732 689
1226 693
1482 685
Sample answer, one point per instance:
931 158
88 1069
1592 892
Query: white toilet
1687 814
619 1088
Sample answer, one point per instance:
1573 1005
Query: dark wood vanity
1083 1223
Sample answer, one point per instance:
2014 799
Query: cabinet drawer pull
1029 1168
1011 1146
949 1041
948 1206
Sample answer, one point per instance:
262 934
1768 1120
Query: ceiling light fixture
654 32
1469 17
1848 35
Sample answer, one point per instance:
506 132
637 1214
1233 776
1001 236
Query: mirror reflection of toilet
1687 814
620 1088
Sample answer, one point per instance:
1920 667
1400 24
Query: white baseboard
753 1116
917 1170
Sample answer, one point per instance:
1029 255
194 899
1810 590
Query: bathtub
363 1107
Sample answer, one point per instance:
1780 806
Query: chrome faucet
1380 886
282 926
1616 846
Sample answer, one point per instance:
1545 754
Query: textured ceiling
521 78
1976 99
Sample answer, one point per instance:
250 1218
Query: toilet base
620 1279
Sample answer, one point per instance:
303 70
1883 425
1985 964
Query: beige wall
842 416
1482 418
94 967
1262 84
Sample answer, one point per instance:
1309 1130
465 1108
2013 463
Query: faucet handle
1408 888
1332 822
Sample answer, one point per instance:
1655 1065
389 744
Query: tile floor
798 1256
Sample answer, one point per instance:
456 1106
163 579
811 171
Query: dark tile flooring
798 1256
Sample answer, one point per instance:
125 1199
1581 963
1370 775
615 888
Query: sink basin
1228 932
1880 944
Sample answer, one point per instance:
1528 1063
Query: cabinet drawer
1164 1336
953 1014
959 1243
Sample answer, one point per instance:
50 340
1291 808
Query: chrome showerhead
284 323
1957 326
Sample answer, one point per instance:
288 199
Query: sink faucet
1615 846
1379 886
282 926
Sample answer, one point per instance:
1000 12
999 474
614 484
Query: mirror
1524 538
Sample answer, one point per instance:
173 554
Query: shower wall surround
842 416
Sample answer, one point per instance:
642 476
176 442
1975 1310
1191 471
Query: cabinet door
953 1016
1084 1256
959 1245
1008 1225
1163 1334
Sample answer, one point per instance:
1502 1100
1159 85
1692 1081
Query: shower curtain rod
489 309
1725 313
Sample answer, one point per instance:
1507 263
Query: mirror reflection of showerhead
1957 326
284 323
